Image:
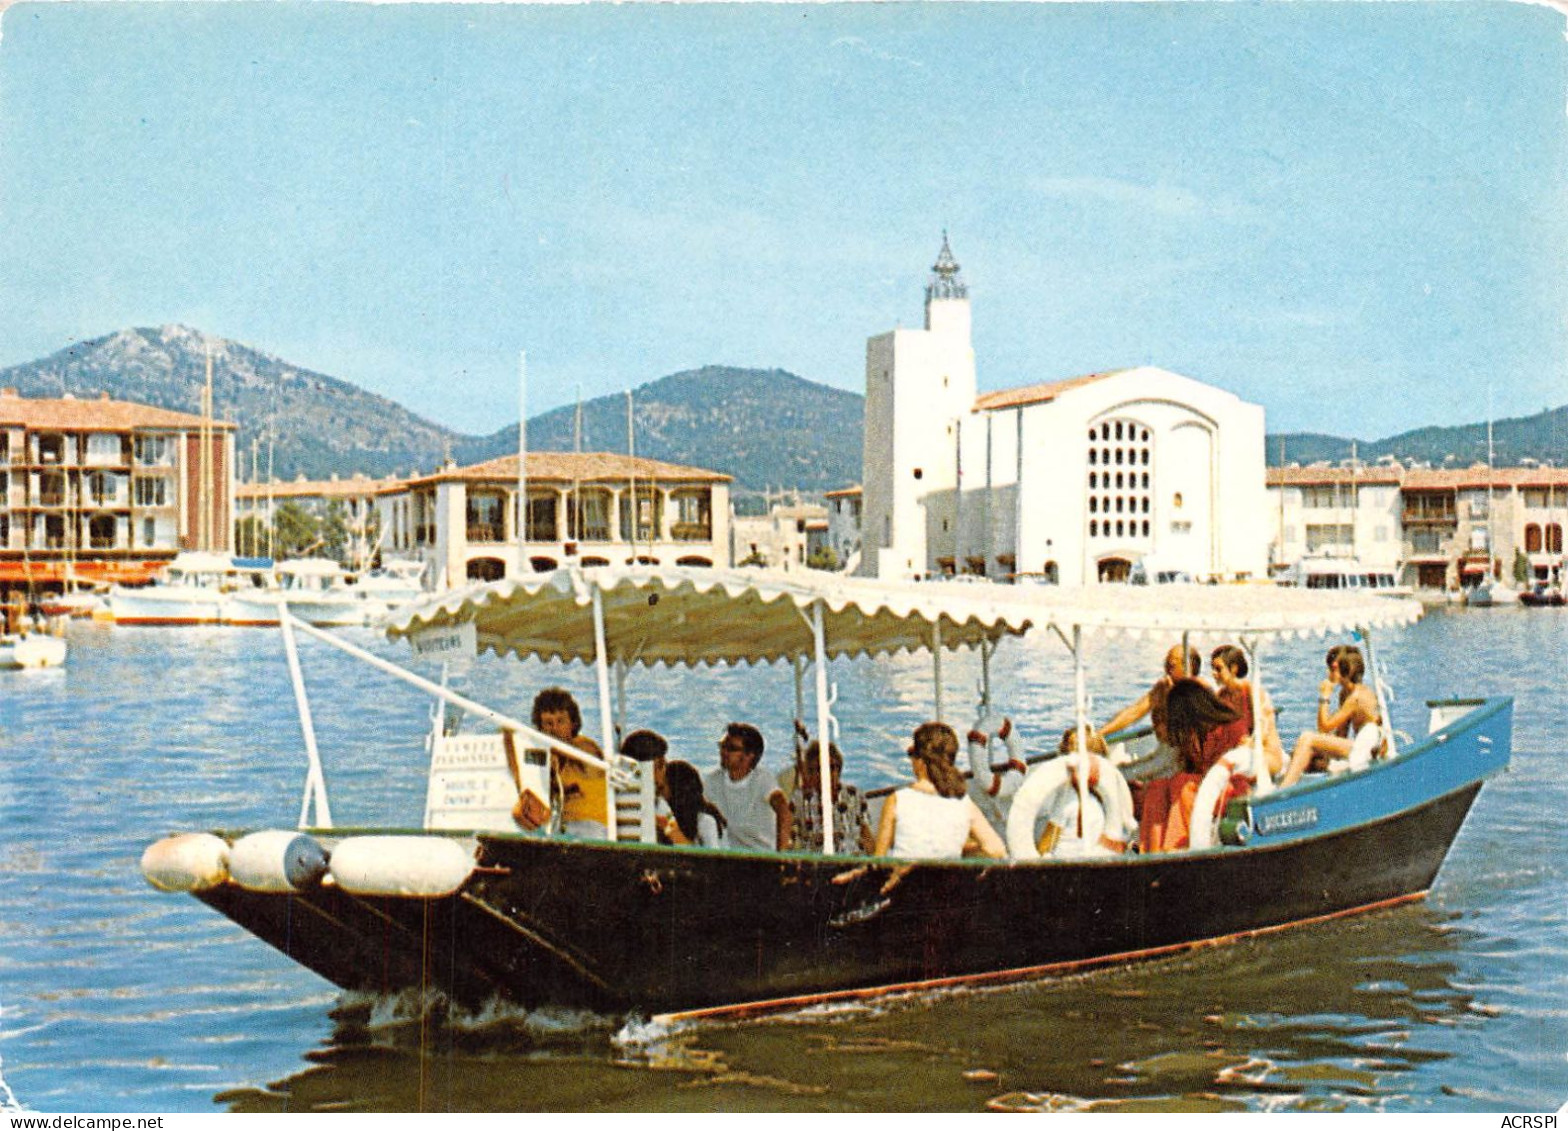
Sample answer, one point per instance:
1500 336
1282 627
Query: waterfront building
1075 481
844 525
106 490
351 498
462 521
1443 528
1330 512
784 539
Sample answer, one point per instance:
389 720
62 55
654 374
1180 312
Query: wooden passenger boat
471 905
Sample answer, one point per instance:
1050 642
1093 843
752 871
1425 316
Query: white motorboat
31 650
394 583
195 589
316 590
1344 573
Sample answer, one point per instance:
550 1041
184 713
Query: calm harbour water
115 997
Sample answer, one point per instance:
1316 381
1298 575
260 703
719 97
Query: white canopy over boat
700 616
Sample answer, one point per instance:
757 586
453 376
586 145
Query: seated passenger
755 809
649 748
1069 742
933 817
693 818
1230 671
1334 738
582 787
851 820
1193 713
1152 702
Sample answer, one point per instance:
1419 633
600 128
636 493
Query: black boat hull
619 927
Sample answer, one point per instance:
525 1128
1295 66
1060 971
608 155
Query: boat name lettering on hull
1289 819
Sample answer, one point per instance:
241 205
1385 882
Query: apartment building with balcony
107 490
1441 528
587 509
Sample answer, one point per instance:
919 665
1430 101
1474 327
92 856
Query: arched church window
1126 445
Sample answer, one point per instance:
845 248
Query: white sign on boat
446 641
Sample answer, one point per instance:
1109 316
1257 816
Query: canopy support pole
315 780
1081 713
601 667
1380 690
1260 764
987 650
936 663
799 666
620 702
824 738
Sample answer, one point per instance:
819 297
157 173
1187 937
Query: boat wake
408 1015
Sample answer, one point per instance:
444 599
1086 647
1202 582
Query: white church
1077 481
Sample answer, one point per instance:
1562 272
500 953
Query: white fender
418 866
1369 739
187 862
1206 804
1040 788
277 860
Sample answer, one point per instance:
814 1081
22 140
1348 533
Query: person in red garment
1198 725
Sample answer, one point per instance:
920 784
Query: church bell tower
920 385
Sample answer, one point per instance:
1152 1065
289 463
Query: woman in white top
933 818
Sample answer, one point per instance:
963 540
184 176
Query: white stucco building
1076 480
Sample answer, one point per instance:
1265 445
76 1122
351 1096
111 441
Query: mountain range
769 428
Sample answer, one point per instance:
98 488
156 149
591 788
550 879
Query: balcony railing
692 531
484 532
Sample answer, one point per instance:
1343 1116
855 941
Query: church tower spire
945 279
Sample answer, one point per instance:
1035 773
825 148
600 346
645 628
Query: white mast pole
631 476
936 663
824 738
1260 764
522 462
1081 711
601 664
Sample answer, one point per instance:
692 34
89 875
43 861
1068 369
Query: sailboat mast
575 529
522 460
631 475
204 508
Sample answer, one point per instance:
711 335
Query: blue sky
1351 213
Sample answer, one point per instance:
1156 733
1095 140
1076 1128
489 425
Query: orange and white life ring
1044 787
988 740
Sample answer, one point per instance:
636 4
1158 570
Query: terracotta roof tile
1329 476
567 467
1420 478
102 415
1037 394
353 486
